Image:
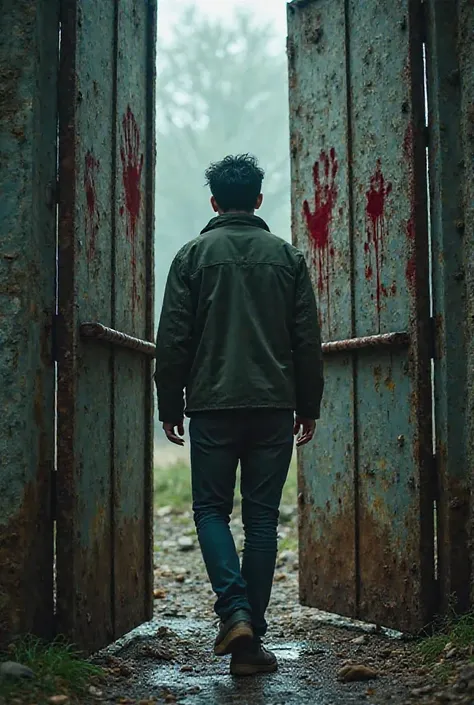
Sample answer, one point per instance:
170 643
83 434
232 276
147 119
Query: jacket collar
235 220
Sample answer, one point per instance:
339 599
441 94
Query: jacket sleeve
306 344
173 345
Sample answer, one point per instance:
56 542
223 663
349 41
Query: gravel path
170 659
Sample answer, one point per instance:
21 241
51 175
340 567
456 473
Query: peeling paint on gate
105 411
374 448
28 62
450 57
132 372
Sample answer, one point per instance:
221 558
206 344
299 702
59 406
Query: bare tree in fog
222 89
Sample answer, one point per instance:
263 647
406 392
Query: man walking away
239 333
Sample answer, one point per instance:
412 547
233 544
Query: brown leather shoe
248 661
235 631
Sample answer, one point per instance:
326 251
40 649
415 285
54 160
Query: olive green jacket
239 325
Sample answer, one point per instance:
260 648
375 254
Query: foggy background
222 89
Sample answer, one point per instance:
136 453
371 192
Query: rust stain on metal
92 215
408 151
377 376
390 580
389 383
439 333
327 551
454 535
27 165
130 578
384 377
26 589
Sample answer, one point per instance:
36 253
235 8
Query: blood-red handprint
92 215
319 220
376 229
132 166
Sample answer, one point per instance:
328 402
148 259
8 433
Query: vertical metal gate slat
150 190
466 59
28 85
320 186
105 410
84 522
393 390
450 49
133 312
357 116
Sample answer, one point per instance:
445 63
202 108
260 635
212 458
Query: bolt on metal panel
28 88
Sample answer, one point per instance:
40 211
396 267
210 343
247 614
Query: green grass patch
58 667
290 490
451 632
289 543
172 486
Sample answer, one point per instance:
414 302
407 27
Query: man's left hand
173 431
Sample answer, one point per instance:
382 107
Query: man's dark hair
235 182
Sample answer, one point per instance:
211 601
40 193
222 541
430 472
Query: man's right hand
172 430
304 429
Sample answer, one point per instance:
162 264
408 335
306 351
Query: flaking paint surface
451 96
132 371
320 224
84 537
355 119
28 57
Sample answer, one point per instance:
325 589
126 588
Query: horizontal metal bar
98 331
115 337
384 340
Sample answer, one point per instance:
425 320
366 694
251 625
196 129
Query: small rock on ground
356 672
15 670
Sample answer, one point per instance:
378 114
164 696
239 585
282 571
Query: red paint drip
410 225
377 231
92 216
132 166
319 220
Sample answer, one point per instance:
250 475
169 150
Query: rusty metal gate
75 504
99 58
368 488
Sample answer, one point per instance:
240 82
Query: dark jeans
263 442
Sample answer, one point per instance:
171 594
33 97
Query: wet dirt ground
170 659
